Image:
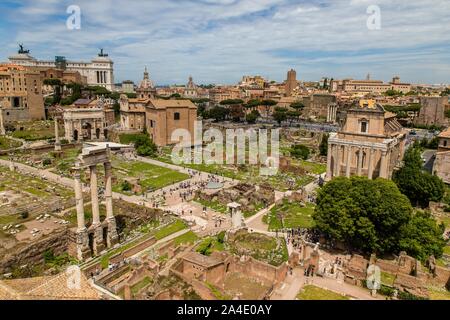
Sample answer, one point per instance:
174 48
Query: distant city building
317 105
163 117
132 113
441 166
369 86
371 143
432 111
127 86
191 89
158 116
253 82
21 96
291 82
146 89
98 72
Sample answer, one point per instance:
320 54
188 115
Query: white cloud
218 41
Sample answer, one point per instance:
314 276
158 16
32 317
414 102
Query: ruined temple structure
371 143
91 241
247 195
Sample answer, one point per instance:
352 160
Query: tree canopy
374 217
365 214
418 185
300 151
145 146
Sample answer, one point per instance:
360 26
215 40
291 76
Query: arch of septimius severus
91 241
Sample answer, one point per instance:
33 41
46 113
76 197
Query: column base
98 244
112 237
82 240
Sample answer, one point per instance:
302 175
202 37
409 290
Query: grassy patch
6 143
387 278
211 244
151 177
438 293
187 238
170 229
141 285
214 205
130 138
315 293
290 215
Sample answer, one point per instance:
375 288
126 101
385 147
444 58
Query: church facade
371 143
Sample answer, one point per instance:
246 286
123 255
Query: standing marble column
349 161
112 236
329 169
360 161
57 142
337 172
383 167
94 196
79 199
82 238
2 125
97 228
371 160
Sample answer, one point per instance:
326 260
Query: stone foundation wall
33 253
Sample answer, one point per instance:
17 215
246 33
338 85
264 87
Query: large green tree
365 214
422 236
418 185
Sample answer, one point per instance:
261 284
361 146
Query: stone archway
97 133
75 135
87 131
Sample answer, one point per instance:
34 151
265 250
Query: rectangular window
364 126
176 116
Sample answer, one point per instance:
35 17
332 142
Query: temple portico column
98 245
349 161
329 169
360 161
79 200
82 240
112 237
383 167
108 190
370 170
338 160
94 196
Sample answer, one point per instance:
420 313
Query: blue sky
218 41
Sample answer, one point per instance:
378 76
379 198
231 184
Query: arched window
176 116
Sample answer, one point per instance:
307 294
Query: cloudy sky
217 41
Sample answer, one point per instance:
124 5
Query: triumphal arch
92 240
84 124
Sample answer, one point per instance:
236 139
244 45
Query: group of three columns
85 247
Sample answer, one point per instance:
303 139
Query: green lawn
214 205
151 177
387 278
170 229
130 138
290 215
141 284
187 238
209 245
311 292
36 130
439 293
6 143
